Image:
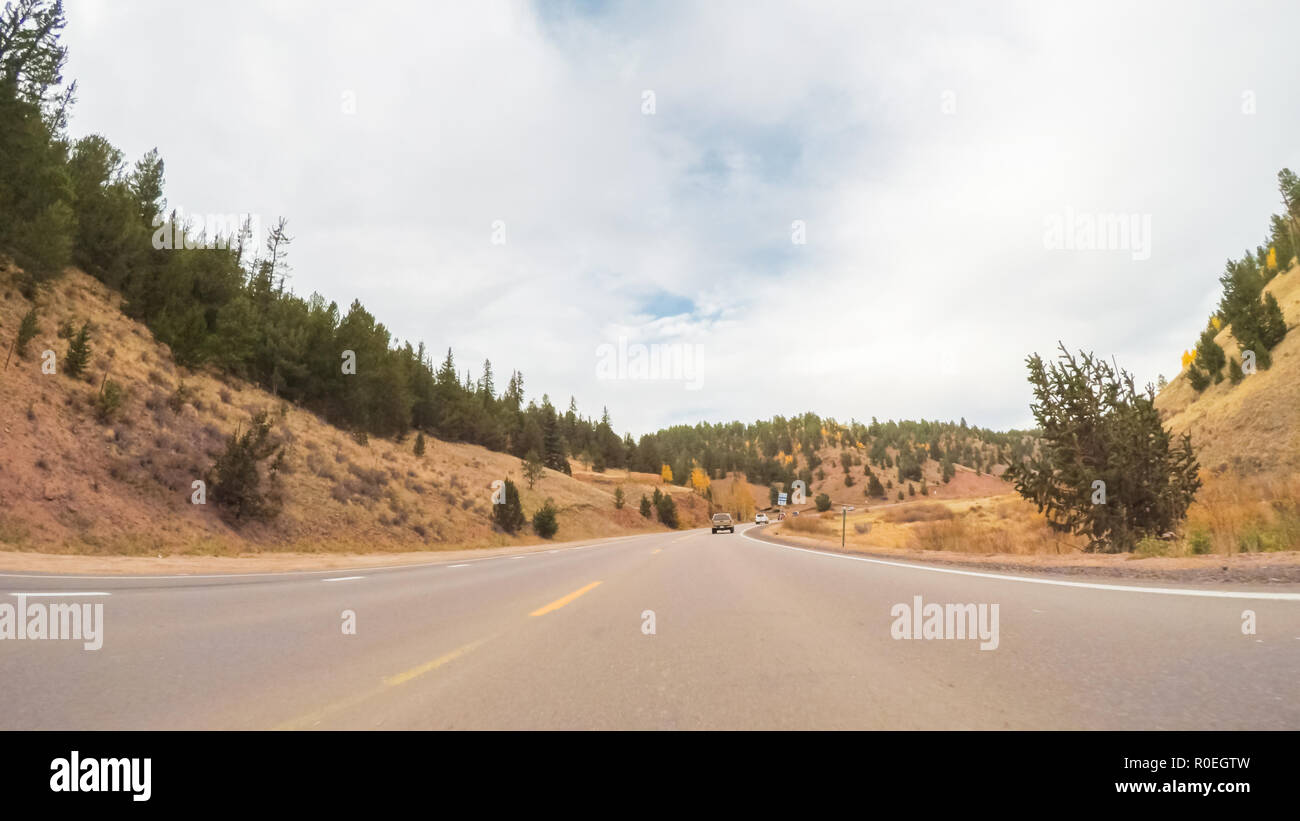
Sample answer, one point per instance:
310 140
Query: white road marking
30 595
291 573
343 579
1125 588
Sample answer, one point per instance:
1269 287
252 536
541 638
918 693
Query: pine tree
78 352
667 509
645 507
509 515
419 444
619 499
1210 356
1273 328
1096 428
874 488
26 332
533 468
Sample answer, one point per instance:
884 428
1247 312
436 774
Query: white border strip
291 573
1125 588
46 594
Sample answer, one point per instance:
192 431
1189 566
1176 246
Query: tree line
222 301
1254 317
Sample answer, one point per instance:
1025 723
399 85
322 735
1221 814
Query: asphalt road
747 634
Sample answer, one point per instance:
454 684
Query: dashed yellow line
656 550
560 602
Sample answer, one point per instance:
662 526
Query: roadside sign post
844 521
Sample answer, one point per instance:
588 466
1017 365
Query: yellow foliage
1272 259
666 473
1188 358
699 480
1217 323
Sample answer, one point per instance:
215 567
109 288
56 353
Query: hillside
72 483
1252 427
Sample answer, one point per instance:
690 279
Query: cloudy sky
841 207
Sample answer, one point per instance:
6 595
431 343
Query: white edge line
34 595
292 573
1126 588
343 579
457 565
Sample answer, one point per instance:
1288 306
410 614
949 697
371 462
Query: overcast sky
925 151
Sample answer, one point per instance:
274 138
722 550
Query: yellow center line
656 550
317 716
560 602
429 666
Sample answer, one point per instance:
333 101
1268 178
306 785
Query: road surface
747 634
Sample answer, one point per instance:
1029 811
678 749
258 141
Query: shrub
1151 546
109 400
1198 542
619 499
26 331
823 502
509 515
236 477
78 352
545 523
180 397
645 506
419 444
667 509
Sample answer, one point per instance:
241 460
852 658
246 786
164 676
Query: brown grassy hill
966 484
1252 427
1247 437
72 483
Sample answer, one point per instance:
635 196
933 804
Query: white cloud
924 282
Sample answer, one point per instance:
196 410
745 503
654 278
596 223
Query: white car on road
760 518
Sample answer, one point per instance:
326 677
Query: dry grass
1234 514
69 484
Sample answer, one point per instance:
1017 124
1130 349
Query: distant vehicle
760 518
722 521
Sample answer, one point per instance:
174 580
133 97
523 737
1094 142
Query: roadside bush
1198 542
545 521
823 502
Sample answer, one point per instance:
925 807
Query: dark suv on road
722 521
